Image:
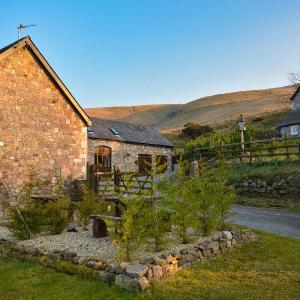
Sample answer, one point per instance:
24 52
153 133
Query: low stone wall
277 186
138 276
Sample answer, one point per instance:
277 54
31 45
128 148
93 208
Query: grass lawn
269 269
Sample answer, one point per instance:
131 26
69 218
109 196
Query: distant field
212 110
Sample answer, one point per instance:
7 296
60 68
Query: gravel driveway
267 219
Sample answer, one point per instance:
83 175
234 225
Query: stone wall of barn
39 130
125 155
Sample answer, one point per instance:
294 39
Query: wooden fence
287 148
111 183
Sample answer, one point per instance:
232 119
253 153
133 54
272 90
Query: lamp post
242 127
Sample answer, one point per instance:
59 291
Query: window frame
105 157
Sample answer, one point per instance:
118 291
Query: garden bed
98 254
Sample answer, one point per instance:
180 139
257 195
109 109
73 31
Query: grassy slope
209 110
269 269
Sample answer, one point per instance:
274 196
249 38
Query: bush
213 200
178 200
26 218
87 206
193 130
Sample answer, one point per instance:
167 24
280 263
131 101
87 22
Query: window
161 162
145 163
103 158
294 130
114 131
90 130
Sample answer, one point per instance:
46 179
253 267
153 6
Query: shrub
129 233
87 206
193 130
26 218
212 201
155 215
178 200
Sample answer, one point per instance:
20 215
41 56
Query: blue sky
130 52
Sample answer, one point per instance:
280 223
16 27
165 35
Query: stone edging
139 275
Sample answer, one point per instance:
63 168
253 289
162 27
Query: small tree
213 199
156 217
129 234
87 206
178 199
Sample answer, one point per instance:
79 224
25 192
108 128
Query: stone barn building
130 148
42 127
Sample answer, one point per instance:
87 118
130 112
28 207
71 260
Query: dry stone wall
39 130
139 275
278 186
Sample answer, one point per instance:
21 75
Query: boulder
136 270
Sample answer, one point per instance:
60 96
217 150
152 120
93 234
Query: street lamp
242 126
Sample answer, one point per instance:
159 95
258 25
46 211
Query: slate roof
292 119
103 129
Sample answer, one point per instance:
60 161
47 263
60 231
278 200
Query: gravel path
83 243
272 220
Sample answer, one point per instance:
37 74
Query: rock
90 264
207 253
227 235
72 228
176 254
107 277
159 261
187 258
157 272
184 251
132 284
149 273
212 245
136 270
170 259
99 265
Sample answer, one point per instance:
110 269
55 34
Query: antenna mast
21 27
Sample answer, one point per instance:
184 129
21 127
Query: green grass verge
268 269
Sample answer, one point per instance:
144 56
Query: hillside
212 110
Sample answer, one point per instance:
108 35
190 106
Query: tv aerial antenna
21 27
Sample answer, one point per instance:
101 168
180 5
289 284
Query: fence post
251 149
286 147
